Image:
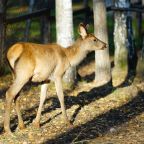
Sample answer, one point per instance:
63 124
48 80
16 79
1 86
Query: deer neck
75 53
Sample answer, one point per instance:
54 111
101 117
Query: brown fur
38 62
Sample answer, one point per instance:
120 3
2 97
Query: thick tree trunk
103 70
64 28
140 65
120 41
2 32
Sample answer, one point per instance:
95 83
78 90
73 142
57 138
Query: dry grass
100 114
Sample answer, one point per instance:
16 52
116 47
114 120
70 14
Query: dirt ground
100 115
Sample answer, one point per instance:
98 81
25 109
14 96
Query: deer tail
14 53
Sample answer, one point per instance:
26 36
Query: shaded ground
101 115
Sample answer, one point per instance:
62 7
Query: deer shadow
102 124
2 95
82 99
2 92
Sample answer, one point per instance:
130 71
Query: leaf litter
101 115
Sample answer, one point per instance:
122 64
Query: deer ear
82 30
87 26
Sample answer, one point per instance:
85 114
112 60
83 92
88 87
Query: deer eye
95 40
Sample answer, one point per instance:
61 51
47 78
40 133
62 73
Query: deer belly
41 74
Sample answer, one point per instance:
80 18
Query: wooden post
28 23
87 11
132 55
45 28
142 2
2 31
139 15
45 21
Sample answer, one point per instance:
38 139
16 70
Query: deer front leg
59 90
43 95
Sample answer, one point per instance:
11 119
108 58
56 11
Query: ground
100 115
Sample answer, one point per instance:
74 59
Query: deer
38 63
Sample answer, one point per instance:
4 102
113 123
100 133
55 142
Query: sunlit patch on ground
103 114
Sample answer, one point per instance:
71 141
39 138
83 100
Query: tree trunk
102 70
120 70
140 64
2 32
64 28
132 54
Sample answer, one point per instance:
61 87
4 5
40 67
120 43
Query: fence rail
22 17
131 9
38 13
137 8
45 11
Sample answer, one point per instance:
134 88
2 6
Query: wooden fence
4 21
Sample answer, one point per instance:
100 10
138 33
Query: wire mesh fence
17 31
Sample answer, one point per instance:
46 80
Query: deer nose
104 46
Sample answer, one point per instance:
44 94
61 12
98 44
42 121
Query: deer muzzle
104 46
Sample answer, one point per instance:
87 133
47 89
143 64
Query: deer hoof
9 133
36 124
21 126
69 124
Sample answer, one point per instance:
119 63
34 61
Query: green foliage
15 32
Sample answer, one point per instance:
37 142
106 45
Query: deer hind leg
20 120
43 95
10 95
23 72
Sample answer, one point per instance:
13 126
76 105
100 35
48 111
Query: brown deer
37 62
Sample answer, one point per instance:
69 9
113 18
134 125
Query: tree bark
140 66
120 41
102 70
64 31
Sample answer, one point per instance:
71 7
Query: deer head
90 42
